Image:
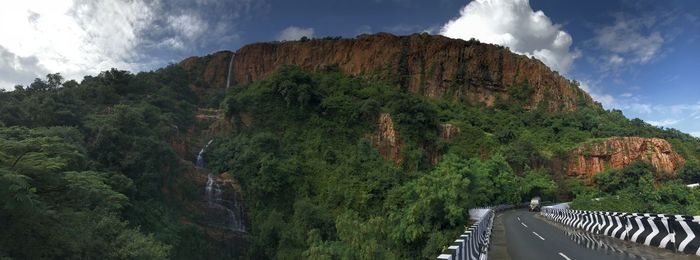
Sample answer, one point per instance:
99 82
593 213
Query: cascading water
230 65
233 219
200 155
224 208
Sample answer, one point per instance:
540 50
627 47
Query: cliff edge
431 65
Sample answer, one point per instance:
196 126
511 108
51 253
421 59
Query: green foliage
521 93
86 171
317 189
49 210
440 198
690 173
577 188
539 183
635 189
612 181
304 153
82 187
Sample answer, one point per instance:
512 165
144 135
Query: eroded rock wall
430 65
386 140
618 152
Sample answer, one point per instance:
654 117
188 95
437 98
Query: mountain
430 65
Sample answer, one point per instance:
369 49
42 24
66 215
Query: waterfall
212 190
228 76
233 210
200 155
225 209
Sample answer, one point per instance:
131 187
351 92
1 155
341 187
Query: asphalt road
519 234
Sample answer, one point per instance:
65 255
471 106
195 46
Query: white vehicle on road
535 204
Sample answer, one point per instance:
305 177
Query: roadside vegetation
640 188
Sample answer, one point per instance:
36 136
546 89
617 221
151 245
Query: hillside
429 65
367 148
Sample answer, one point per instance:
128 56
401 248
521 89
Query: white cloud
514 24
608 101
83 37
639 108
189 26
664 123
678 115
171 43
615 60
631 38
293 33
73 38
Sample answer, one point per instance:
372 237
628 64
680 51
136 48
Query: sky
641 57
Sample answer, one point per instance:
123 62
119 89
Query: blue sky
638 56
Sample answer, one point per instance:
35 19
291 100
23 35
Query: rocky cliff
617 152
386 140
431 65
208 72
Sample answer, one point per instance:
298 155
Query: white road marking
518 218
564 256
538 235
521 223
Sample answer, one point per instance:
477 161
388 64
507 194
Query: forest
86 170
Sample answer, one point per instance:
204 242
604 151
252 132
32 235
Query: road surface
519 234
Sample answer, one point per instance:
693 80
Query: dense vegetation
83 167
86 170
317 188
640 188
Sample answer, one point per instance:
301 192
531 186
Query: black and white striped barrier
675 232
473 244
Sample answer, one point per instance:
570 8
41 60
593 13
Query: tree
538 183
612 181
690 173
54 81
49 210
436 201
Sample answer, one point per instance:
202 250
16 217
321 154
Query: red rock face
430 65
386 139
618 152
208 72
389 144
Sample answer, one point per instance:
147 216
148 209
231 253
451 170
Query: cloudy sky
642 57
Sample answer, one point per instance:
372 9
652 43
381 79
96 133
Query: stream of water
230 65
225 209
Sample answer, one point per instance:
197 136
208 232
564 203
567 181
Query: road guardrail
474 243
674 232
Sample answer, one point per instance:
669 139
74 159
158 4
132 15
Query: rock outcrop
386 140
430 65
208 72
618 152
389 144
